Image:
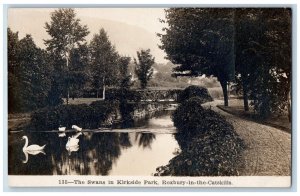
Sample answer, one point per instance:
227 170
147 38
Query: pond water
97 153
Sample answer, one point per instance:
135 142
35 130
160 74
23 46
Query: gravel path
268 150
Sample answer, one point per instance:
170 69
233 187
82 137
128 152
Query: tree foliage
66 34
194 91
268 45
254 44
13 64
28 80
78 72
144 69
201 42
103 63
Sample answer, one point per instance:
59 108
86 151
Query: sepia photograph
149 96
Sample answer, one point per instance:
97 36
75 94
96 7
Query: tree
29 82
268 45
103 64
279 42
78 75
13 63
124 92
201 42
213 41
125 77
247 21
66 34
144 69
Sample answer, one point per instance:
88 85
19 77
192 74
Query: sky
147 18
144 21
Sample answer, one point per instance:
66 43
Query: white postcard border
151 181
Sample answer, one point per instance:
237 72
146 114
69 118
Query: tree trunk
103 92
225 93
245 95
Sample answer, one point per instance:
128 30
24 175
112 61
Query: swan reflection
36 152
71 149
92 153
33 149
61 135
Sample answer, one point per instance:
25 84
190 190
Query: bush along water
128 101
88 116
194 91
209 144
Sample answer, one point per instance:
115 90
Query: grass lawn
77 101
236 107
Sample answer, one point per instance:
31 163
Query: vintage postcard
149 97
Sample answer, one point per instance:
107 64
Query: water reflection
61 135
158 119
125 141
26 153
145 139
95 154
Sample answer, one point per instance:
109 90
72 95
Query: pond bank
268 149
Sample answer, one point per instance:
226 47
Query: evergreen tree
78 75
103 64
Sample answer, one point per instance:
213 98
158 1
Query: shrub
194 91
212 154
83 115
190 117
127 110
209 144
122 94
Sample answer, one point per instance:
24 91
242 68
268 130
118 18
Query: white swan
76 128
72 144
61 128
30 149
61 131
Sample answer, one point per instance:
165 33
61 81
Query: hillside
127 38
